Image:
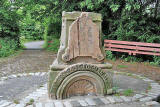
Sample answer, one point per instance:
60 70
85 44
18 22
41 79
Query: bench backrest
132 47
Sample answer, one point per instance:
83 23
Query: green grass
31 101
8 47
122 66
16 101
3 59
128 92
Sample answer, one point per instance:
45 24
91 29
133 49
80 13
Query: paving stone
105 101
12 105
30 106
75 104
68 104
111 99
150 103
154 84
98 101
157 105
21 105
145 99
156 94
156 87
58 104
137 96
38 105
49 104
83 102
4 78
118 99
153 96
43 73
2 101
10 76
1 82
126 99
5 104
37 74
31 73
20 75
148 80
90 101
14 76
24 74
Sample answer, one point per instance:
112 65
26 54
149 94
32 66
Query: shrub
156 60
7 46
109 55
54 45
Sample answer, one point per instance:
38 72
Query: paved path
34 45
24 88
27 61
20 87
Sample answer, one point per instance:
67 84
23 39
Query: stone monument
80 67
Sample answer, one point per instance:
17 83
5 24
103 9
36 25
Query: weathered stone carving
80 67
69 41
83 39
92 72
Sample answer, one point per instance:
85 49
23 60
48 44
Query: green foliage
7 47
54 45
129 58
122 66
156 60
109 55
9 22
31 29
128 92
16 101
31 101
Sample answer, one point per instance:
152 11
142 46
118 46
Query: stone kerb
103 80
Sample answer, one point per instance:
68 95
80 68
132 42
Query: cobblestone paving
27 61
20 87
25 88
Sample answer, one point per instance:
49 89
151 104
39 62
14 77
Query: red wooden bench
49 43
132 48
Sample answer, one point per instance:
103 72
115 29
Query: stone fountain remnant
80 67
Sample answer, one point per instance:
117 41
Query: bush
156 60
7 47
109 55
54 45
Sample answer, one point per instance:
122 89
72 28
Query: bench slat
133 52
132 47
132 43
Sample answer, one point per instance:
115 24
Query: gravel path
39 61
27 61
34 45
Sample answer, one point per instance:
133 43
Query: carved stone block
80 63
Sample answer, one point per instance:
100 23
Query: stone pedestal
80 67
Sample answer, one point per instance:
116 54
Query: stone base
79 79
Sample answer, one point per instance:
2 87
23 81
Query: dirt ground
141 68
36 61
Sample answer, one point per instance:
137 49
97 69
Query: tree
8 21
